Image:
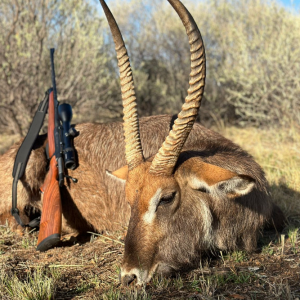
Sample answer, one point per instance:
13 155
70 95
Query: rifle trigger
35 223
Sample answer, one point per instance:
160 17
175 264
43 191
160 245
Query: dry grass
34 286
89 268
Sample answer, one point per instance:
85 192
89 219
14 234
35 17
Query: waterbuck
183 189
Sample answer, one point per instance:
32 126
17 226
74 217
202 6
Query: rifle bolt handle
72 178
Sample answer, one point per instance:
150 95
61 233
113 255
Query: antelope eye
167 199
203 190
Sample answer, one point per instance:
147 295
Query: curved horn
133 146
166 158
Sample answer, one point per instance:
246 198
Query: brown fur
179 233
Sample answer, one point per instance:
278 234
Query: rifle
50 226
61 153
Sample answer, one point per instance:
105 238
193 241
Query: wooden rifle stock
50 225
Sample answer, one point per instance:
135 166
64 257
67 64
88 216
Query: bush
253 65
85 76
252 50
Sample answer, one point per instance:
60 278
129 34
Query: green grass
268 249
133 294
28 241
233 278
38 285
293 235
237 256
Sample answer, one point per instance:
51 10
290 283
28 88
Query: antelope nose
127 279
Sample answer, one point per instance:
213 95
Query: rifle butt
48 243
51 220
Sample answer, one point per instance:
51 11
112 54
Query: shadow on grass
289 202
80 239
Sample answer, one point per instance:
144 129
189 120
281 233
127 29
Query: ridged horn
133 146
167 156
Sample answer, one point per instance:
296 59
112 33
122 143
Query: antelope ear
216 180
120 174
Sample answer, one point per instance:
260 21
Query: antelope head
164 191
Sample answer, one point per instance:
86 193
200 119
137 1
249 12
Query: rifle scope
65 114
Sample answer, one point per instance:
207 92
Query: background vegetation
253 59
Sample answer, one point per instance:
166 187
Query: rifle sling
23 156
